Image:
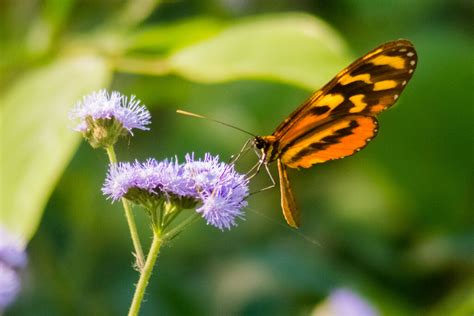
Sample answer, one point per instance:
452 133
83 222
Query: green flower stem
176 230
170 218
146 272
140 258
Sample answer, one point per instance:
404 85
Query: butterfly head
259 143
264 144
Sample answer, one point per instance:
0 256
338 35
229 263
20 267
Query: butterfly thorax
267 147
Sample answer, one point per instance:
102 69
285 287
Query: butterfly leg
233 159
253 173
271 179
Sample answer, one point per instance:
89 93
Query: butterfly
339 119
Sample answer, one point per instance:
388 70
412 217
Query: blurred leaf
170 37
37 141
294 47
371 199
47 25
56 12
134 12
437 252
459 302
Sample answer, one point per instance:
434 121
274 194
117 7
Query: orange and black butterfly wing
339 138
288 204
368 86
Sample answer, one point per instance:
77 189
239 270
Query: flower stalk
139 256
145 274
160 216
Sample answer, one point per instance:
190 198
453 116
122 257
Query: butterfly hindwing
288 204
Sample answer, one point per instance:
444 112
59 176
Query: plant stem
140 259
173 232
146 273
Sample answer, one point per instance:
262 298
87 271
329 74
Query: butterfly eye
259 143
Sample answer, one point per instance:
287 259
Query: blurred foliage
42 130
393 222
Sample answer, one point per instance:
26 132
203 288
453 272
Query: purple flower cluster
345 302
102 105
218 189
12 258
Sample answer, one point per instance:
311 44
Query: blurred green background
394 223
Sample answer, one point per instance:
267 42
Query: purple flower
103 117
12 258
345 302
11 250
9 285
218 189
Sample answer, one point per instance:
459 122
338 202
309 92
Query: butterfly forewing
368 86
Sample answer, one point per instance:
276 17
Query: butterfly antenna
213 120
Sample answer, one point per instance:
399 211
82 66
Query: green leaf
174 36
37 141
295 48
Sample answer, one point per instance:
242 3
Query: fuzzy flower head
214 187
344 301
12 259
102 117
